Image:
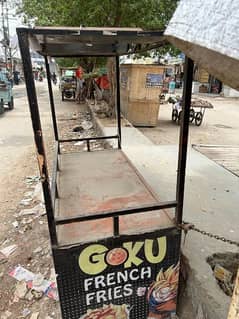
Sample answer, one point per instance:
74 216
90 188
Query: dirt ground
23 221
220 125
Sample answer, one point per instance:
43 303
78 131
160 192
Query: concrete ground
211 193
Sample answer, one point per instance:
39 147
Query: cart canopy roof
82 41
207 31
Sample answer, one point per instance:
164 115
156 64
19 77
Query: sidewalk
211 203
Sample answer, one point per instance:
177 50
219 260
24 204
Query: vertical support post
116 226
183 140
36 125
116 219
88 145
53 112
118 100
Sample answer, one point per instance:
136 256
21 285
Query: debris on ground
35 315
25 201
225 266
35 282
7 251
79 143
33 294
86 125
32 179
26 312
20 291
7 314
78 128
15 224
38 210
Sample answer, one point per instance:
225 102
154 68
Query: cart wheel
68 94
198 118
62 96
2 109
174 115
179 117
11 104
191 115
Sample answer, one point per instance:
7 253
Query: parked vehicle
6 95
68 83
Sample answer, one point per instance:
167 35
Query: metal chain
185 226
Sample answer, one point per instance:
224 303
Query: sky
14 22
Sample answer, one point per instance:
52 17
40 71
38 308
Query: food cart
197 110
68 83
115 244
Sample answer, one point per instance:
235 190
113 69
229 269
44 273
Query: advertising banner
154 80
129 277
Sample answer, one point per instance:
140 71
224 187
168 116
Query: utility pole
5 41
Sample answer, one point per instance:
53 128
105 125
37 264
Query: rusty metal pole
183 140
36 125
118 100
53 112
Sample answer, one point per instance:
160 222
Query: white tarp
208 32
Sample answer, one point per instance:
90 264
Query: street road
15 127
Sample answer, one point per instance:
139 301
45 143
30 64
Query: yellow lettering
91 259
162 247
133 251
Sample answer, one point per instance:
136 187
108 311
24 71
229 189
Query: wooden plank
234 307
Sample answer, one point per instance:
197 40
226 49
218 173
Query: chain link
185 226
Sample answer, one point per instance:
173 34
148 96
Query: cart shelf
91 182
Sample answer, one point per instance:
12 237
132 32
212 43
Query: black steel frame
51 193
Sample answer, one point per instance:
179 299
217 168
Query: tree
147 14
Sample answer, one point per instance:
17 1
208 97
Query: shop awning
82 41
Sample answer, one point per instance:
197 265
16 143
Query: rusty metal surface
226 156
103 181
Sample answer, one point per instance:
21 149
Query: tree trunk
113 87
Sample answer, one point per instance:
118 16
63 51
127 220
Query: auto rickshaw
6 95
68 83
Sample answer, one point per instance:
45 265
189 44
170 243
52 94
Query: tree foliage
148 14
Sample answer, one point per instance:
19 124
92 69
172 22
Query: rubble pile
78 125
26 270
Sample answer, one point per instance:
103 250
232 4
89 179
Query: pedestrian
54 78
79 83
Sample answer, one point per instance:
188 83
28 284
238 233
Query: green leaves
149 14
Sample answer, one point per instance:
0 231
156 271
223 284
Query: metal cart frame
48 42
194 116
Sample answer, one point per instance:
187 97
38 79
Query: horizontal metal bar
89 138
120 212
